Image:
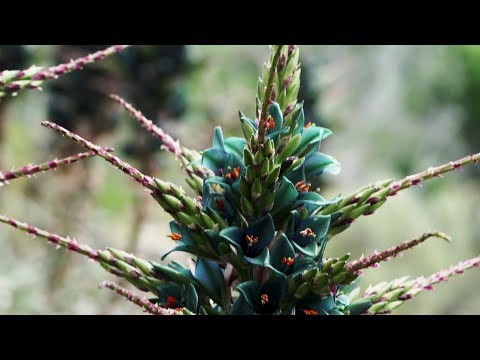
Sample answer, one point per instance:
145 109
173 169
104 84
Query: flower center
233 174
302 186
171 301
264 299
251 240
307 125
175 236
288 261
307 232
270 124
220 204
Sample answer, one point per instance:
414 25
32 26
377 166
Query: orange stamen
220 204
310 312
307 232
175 236
302 186
171 301
288 261
270 124
307 125
264 299
252 240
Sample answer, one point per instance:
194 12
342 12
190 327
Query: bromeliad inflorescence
258 228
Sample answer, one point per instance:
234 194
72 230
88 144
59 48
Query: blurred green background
395 110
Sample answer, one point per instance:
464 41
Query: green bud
339 278
289 148
190 204
247 207
104 255
292 62
195 182
377 307
258 158
266 201
256 189
330 209
244 187
127 269
119 254
293 115
309 274
272 176
346 212
392 305
296 163
365 194
207 222
344 202
344 257
177 190
384 183
350 278
250 175
334 230
259 88
355 213
338 267
163 186
144 266
247 157
264 168
253 141
269 148
247 129
382 193
291 284
173 202
186 219
292 90
302 291
375 206
217 218
321 280
327 264
394 294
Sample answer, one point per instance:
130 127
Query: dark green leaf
210 277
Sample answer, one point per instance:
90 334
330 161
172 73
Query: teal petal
300 121
218 139
310 250
282 249
191 298
210 277
265 230
235 146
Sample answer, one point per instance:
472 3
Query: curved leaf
210 277
264 229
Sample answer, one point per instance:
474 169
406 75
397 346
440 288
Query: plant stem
142 302
355 205
143 179
29 170
267 96
13 81
375 258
